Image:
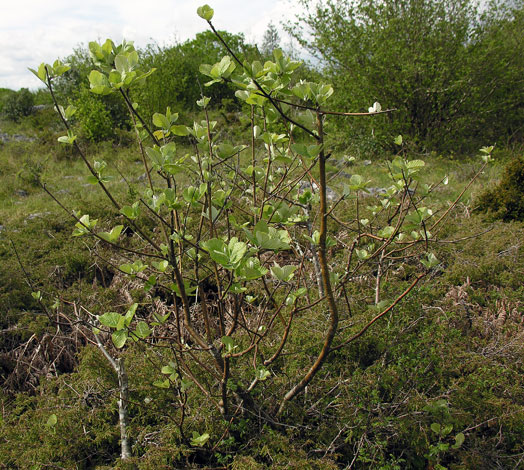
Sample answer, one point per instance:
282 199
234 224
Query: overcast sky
35 31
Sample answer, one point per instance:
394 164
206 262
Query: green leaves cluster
121 325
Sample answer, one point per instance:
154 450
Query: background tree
175 82
18 104
271 39
438 62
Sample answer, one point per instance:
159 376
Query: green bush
177 81
506 200
18 105
92 116
451 73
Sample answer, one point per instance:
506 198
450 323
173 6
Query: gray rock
367 162
307 185
330 194
15 138
37 215
21 193
376 191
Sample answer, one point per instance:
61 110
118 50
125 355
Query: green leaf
416 164
131 212
269 238
133 268
110 319
92 179
198 440
99 83
41 73
459 440
435 427
447 429
150 283
179 130
229 256
203 102
51 421
142 330
112 236
229 345
362 255
162 383
67 139
398 140
284 273
161 121
130 314
59 68
70 112
205 12
36 295
160 265
251 269
387 231
119 338
169 369
121 63
262 374
84 226
431 261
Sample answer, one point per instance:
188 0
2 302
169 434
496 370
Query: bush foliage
449 68
506 199
18 104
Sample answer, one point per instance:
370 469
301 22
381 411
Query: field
446 362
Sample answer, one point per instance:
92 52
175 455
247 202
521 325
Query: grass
457 339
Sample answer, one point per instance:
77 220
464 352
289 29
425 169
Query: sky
35 31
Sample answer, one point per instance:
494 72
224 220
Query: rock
307 185
37 215
367 162
376 191
21 193
346 175
330 194
15 138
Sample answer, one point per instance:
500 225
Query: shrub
244 255
19 104
92 116
506 200
452 73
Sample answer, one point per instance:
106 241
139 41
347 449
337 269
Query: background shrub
506 200
18 104
449 68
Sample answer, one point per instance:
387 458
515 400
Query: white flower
376 108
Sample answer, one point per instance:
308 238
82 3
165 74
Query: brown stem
333 311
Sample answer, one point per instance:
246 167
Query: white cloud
32 31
